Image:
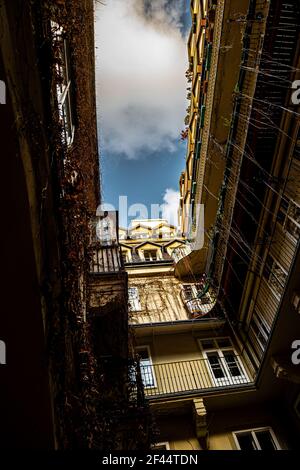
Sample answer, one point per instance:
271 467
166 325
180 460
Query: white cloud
140 74
170 206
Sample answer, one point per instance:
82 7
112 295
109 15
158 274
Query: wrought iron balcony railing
197 307
106 259
199 375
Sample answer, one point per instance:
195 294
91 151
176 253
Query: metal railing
197 307
106 259
199 375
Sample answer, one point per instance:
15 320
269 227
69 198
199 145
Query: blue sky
141 60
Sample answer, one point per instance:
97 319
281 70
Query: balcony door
224 365
225 368
146 366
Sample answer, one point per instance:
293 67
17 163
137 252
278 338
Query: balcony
193 377
105 253
199 307
106 259
107 288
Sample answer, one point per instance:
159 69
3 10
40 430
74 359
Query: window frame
195 289
150 255
252 431
139 306
147 347
228 378
258 320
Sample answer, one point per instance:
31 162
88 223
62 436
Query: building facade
223 376
189 358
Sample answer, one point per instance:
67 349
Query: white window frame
228 379
148 365
134 304
149 251
252 432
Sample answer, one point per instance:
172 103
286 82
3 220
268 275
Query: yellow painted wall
160 299
179 429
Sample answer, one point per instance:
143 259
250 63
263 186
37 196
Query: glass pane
265 440
188 292
216 366
259 331
232 364
246 441
146 373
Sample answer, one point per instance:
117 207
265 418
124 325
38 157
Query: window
224 365
146 366
188 292
63 83
259 333
134 304
195 303
275 275
191 291
143 235
289 217
256 439
150 255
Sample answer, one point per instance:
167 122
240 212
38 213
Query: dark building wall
45 235
25 405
